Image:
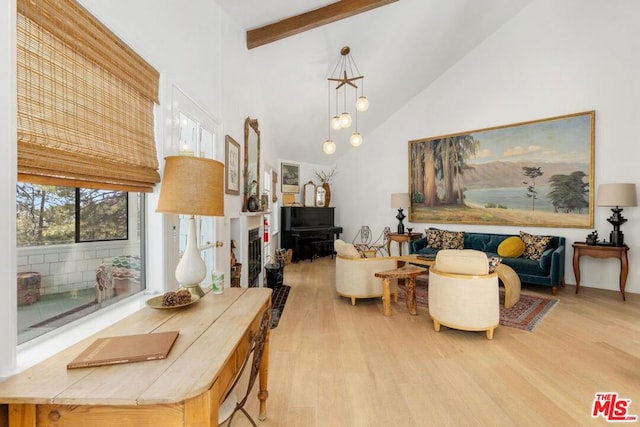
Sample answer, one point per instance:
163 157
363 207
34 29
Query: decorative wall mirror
309 194
251 161
321 194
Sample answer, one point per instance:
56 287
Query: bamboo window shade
85 102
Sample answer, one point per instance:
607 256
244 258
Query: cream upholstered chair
462 293
355 275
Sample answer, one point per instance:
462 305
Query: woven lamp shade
192 186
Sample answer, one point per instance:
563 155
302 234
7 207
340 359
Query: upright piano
302 227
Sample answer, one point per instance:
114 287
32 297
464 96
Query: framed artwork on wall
290 176
536 173
232 163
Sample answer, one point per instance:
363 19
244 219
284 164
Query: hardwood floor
333 364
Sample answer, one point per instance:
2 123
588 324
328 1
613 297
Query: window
78 251
49 215
86 151
196 133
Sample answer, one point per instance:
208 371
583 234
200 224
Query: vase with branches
325 178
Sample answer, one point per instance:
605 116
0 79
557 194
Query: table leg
263 376
386 297
410 286
576 267
624 271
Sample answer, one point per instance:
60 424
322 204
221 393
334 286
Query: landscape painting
537 173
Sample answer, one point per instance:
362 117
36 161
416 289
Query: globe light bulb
356 139
362 104
336 123
329 147
345 120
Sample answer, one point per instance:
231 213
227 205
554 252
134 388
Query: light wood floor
332 364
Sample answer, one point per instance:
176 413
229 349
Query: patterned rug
525 314
278 300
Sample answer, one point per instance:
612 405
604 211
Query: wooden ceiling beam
309 20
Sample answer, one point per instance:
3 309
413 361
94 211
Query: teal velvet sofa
547 271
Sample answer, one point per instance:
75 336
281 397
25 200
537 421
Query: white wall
554 58
8 304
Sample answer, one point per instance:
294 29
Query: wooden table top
414 258
209 331
402 272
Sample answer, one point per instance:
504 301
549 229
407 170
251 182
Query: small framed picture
232 162
290 175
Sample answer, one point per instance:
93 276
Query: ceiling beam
309 20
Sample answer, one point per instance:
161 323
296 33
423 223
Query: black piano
308 231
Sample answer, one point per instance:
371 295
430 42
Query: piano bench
322 248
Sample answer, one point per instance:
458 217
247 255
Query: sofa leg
563 283
490 334
436 325
353 300
554 290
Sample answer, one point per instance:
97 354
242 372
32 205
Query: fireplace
254 257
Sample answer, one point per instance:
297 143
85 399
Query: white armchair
355 275
462 293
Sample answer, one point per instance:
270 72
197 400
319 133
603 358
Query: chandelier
345 77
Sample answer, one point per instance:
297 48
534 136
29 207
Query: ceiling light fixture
345 74
329 147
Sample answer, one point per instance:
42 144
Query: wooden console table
185 389
596 251
400 238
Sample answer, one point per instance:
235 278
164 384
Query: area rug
278 300
525 314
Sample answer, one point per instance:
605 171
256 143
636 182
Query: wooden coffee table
414 259
409 274
507 275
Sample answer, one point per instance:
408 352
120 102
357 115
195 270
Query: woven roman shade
85 102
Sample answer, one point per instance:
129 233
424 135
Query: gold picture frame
232 166
537 173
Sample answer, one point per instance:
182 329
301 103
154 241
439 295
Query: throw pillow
534 246
453 240
434 238
494 262
511 247
346 249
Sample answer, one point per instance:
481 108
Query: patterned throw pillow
434 238
494 262
534 246
453 240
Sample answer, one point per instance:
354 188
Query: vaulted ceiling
400 47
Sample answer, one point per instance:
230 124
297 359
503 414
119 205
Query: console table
600 251
400 238
185 389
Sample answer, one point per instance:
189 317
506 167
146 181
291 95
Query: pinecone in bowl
169 299
183 296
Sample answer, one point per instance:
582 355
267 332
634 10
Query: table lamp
192 186
617 195
399 201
